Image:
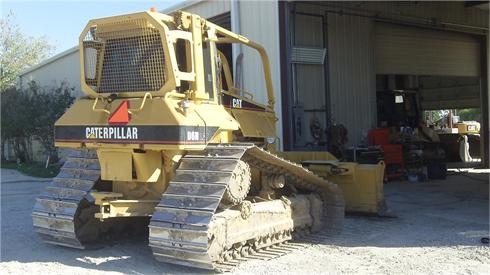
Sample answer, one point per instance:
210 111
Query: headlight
270 140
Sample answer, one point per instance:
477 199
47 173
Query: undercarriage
222 204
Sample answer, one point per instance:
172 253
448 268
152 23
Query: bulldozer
162 134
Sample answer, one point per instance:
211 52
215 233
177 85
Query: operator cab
145 53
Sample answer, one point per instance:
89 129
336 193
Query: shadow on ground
448 212
128 254
435 213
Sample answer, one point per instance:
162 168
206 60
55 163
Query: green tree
29 115
16 122
18 51
436 115
49 105
472 114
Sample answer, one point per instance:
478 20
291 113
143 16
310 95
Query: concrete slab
438 231
12 175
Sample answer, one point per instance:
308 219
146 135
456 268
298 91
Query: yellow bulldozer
162 134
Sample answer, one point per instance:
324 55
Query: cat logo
108 133
236 103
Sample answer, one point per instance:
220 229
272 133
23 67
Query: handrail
103 110
231 37
131 111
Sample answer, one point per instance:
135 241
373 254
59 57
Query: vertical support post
236 47
199 85
485 102
286 101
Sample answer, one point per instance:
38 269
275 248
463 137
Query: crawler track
191 226
62 215
302 240
187 229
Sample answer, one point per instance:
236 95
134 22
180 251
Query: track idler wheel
239 184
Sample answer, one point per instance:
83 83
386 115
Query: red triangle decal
121 115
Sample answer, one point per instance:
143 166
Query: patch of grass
33 169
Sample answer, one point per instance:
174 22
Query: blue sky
62 21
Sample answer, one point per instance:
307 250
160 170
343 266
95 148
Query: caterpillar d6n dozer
163 135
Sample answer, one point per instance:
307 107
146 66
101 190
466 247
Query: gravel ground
438 230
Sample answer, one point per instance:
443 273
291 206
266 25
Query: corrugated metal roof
180 6
205 9
50 60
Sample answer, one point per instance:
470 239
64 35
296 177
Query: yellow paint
147 165
255 124
141 172
115 165
361 184
468 127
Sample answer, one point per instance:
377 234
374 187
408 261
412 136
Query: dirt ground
438 230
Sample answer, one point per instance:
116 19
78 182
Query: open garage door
443 92
446 64
406 50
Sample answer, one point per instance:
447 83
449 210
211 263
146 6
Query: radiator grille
124 57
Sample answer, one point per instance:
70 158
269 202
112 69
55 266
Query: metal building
61 68
329 59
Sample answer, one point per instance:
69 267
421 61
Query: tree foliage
29 115
472 114
18 51
49 106
15 122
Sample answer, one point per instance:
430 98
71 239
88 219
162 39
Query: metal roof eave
49 60
178 6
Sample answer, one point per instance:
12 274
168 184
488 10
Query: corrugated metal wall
263 28
443 11
351 56
351 70
65 68
261 25
209 9
307 62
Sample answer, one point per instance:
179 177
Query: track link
58 215
307 239
180 226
